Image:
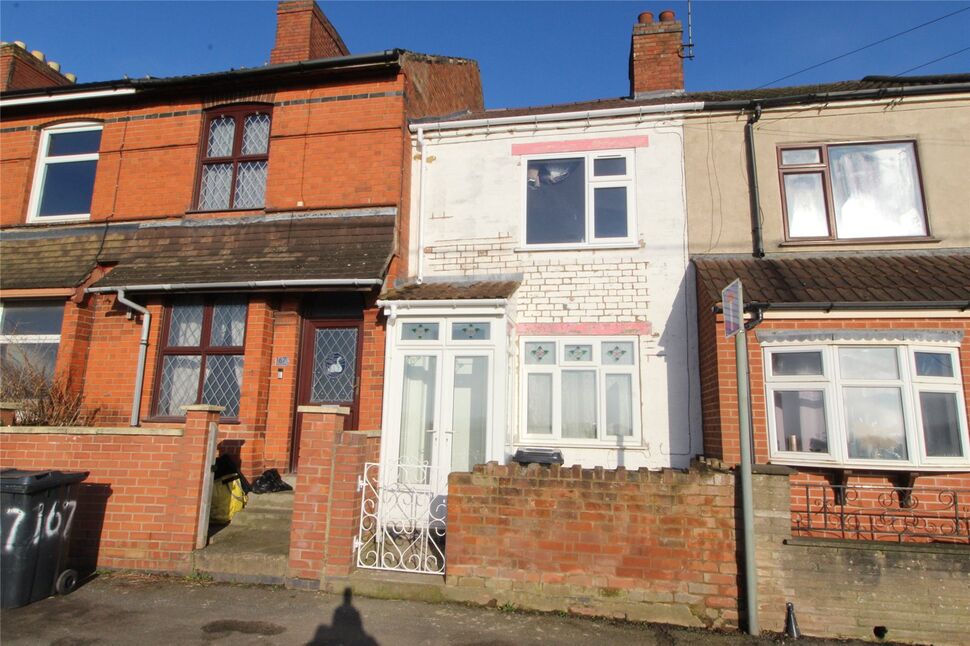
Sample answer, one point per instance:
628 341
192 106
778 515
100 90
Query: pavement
132 608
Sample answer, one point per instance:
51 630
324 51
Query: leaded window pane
228 324
419 331
222 131
470 331
180 384
216 187
334 365
577 352
250 185
541 353
185 327
256 134
619 353
223 382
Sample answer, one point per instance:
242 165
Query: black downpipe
758 245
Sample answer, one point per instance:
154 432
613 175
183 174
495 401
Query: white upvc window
67 161
579 200
866 405
580 390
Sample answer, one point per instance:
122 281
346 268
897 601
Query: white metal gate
403 512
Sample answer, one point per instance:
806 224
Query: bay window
201 356
872 405
850 191
580 390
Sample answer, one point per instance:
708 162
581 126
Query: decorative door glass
334 365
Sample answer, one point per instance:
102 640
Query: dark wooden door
329 365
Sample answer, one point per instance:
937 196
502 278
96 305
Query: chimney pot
667 16
54 66
39 55
70 77
645 18
21 44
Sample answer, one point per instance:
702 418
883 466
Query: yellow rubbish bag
228 499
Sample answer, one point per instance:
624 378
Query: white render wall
473 219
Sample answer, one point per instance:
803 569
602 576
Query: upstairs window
64 178
234 159
851 191
30 333
201 357
581 200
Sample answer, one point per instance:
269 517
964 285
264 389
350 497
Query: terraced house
218 239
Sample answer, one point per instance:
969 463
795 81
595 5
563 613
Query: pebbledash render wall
471 206
719 387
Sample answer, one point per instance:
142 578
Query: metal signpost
732 302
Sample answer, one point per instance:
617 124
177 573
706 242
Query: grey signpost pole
732 301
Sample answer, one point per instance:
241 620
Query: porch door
329 367
445 413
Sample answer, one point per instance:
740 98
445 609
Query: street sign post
732 304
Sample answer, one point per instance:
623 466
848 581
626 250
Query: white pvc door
444 414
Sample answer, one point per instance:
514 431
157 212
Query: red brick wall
19 70
645 545
139 506
304 33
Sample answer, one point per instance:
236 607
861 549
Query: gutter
456 303
383 58
847 95
584 115
758 306
244 284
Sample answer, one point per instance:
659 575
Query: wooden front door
329 367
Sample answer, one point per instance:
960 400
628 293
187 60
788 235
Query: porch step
255 546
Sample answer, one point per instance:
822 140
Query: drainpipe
758 250
420 214
146 323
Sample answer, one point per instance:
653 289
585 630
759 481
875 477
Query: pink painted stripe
580 145
564 329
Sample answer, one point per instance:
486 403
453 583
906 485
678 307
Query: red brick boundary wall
326 505
139 507
639 545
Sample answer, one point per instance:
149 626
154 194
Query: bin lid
31 481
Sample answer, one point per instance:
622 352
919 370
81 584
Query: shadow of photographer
346 629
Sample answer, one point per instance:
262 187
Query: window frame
203 350
563 364
832 384
823 168
627 181
239 113
43 160
36 339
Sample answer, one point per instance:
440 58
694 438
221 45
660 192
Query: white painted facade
468 216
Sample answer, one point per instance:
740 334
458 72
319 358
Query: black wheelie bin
37 509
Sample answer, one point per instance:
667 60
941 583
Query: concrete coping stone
331 410
10 405
90 430
205 408
772 470
885 546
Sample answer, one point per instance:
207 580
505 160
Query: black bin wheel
66 582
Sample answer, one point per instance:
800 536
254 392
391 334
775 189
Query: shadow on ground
346 629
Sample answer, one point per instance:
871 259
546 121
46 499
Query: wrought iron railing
881 513
402 519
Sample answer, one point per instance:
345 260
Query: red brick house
244 221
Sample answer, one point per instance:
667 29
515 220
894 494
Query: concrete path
146 610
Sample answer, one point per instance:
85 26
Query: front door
329 372
444 413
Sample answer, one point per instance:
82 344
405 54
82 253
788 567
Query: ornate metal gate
402 519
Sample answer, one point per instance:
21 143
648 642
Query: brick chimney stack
656 65
303 33
21 70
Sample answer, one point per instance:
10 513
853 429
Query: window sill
847 242
574 247
181 420
256 209
57 219
874 469
555 443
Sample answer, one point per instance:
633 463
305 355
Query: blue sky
530 52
